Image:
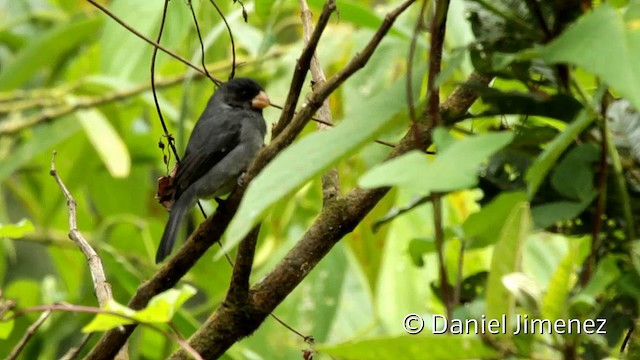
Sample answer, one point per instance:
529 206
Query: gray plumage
223 143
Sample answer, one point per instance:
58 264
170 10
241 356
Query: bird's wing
211 140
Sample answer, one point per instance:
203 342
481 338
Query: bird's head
244 93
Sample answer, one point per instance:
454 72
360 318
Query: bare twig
233 44
302 66
330 181
398 212
195 23
74 352
153 83
155 44
28 335
100 285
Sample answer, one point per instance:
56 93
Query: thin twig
393 214
74 352
233 44
330 180
155 44
101 287
302 66
153 83
195 23
28 335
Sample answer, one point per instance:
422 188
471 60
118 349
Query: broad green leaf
432 347
419 247
606 43
573 176
44 138
545 161
554 303
606 272
400 286
548 214
557 106
106 141
46 51
104 322
6 327
311 156
18 230
483 228
162 306
160 309
506 259
456 167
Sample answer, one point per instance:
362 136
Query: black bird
224 141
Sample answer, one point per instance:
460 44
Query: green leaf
106 141
506 259
160 309
606 43
556 106
456 167
573 176
418 248
311 156
18 230
554 303
483 228
545 161
104 322
548 214
433 347
606 272
6 327
163 306
47 50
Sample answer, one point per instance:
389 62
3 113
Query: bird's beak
261 101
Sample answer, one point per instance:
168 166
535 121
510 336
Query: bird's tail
178 211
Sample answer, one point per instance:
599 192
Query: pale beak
261 101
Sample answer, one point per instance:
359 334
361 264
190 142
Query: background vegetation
536 187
